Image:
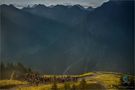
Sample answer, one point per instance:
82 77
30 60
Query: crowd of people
38 79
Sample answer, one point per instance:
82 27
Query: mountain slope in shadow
70 40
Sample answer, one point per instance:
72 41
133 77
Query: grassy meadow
89 81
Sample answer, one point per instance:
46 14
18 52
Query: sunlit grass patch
109 80
41 87
10 83
86 74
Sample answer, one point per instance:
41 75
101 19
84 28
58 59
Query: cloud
84 3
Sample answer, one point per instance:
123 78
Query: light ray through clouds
72 64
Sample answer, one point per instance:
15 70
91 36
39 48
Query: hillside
69 40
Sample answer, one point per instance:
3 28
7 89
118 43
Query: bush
74 87
83 85
67 86
54 86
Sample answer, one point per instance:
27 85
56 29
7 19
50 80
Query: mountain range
69 39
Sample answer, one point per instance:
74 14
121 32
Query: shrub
74 87
83 85
67 86
54 86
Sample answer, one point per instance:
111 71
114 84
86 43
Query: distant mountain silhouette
69 39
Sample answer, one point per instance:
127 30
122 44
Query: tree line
12 70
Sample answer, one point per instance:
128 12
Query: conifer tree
67 86
83 85
54 86
74 87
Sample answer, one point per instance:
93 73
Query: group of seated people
38 79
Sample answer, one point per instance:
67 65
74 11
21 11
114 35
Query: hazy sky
84 3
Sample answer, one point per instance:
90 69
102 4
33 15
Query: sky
85 3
